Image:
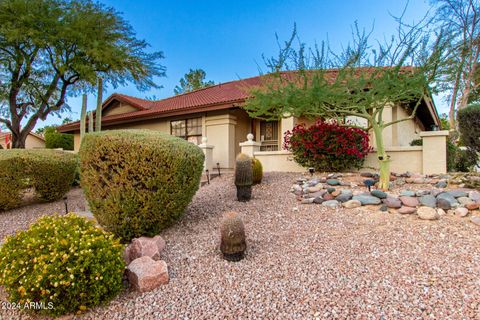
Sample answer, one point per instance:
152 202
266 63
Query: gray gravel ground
313 263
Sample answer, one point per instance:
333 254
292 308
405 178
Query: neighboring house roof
5 134
216 97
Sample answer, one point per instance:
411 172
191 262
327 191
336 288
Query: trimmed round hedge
63 264
138 182
50 172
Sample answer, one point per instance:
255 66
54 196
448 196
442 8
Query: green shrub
138 182
55 140
416 142
49 172
469 127
257 171
64 263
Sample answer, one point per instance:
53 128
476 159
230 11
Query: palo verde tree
362 82
50 49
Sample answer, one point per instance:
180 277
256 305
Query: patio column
249 147
208 152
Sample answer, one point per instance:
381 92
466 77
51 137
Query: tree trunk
18 139
383 159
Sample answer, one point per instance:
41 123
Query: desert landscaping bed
302 261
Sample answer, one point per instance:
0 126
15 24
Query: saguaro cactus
243 177
90 121
232 233
83 117
98 112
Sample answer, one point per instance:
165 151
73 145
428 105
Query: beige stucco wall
281 161
33 142
243 127
402 159
434 151
220 131
118 109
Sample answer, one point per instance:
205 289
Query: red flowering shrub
327 146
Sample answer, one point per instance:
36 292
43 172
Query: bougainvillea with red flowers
328 146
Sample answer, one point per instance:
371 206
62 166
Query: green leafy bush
55 140
50 172
63 263
416 142
138 182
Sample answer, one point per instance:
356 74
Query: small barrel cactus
232 233
243 177
257 171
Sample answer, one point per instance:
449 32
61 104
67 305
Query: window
188 129
269 135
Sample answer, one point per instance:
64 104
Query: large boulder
409 201
146 274
427 213
448 197
428 201
144 246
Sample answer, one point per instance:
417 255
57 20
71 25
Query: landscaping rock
144 246
420 193
146 274
441 212
475 220
443 204
328 196
331 203
333 182
336 193
472 206
367 174
367 199
318 200
352 204
407 193
448 197
428 201
457 193
407 210
409 201
343 197
331 189
347 192
474 195
307 201
392 202
419 180
383 208
465 200
461 212
427 213
379 194
296 188
315 194
314 189
441 184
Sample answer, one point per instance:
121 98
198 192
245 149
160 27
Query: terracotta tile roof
220 96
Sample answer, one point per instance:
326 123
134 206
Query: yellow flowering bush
63 264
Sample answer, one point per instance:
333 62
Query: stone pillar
434 151
208 152
220 130
249 147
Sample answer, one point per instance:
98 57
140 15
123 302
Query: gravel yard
316 262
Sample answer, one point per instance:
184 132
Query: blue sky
227 38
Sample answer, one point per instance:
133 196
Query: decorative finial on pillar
204 140
250 137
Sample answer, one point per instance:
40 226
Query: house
33 141
216 113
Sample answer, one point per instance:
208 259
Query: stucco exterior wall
220 131
402 159
118 109
281 161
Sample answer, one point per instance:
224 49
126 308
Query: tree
193 80
461 20
366 80
50 49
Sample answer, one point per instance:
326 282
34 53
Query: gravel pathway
311 263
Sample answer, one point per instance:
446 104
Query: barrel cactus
232 233
257 171
243 177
